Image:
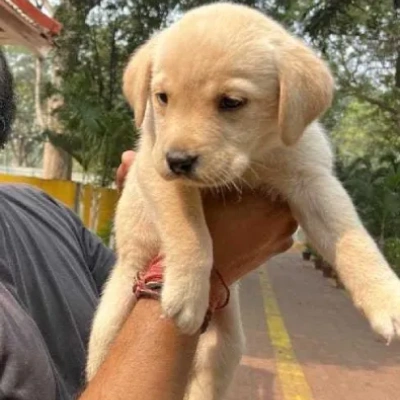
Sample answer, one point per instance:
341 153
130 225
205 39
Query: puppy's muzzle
181 163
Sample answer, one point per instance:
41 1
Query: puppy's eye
227 103
162 98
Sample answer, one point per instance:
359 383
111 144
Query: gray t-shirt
51 273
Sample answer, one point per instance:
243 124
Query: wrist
149 283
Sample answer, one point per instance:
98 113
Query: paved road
331 349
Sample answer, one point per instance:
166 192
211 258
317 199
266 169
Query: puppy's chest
267 176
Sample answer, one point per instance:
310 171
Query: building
23 24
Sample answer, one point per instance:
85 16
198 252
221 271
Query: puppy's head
225 84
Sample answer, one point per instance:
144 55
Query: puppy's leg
186 245
326 212
218 355
136 243
116 303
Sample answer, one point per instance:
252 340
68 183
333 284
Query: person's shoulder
22 191
27 198
18 199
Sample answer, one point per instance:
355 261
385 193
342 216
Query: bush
106 233
310 250
392 253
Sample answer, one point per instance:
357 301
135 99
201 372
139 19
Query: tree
375 188
360 38
95 118
358 131
25 144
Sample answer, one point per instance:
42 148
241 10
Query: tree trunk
38 84
57 164
396 5
397 72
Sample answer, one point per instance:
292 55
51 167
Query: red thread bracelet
149 284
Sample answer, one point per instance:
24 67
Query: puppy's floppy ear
306 91
136 80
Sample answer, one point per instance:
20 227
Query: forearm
149 359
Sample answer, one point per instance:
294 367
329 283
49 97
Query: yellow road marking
290 374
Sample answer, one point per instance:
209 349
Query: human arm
149 359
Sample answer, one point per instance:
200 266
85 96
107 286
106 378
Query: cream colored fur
273 141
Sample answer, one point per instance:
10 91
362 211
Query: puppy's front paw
186 302
381 305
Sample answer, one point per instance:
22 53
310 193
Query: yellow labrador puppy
227 96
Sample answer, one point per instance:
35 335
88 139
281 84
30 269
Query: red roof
41 19
24 24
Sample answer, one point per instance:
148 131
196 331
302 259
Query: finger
120 177
128 157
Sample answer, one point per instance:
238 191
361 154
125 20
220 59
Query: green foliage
392 253
311 250
92 52
375 188
359 39
357 132
95 137
25 146
106 233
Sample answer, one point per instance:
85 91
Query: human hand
246 231
127 159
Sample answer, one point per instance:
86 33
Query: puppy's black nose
181 163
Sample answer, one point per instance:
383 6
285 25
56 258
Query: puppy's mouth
202 182
187 177
196 172
191 178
